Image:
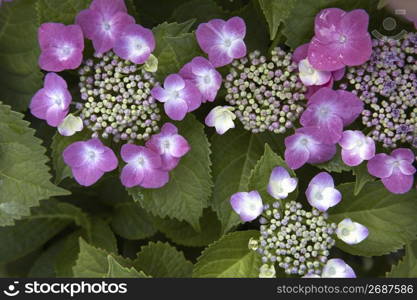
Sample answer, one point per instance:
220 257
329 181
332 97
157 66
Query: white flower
70 125
310 76
351 232
221 117
281 183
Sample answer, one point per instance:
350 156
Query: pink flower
104 22
204 76
247 205
136 44
321 192
61 47
222 40
395 170
178 95
170 145
329 111
51 103
89 160
356 147
341 39
303 147
143 168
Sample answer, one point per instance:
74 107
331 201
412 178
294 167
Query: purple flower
89 160
143 168
178 95
350 232
221 117
104 22
169 145
321 192
222 40
204 76
61 47
281 183
247 205
136 44
395 170
337 268
356 147
330 111
341 39
51 103
303 147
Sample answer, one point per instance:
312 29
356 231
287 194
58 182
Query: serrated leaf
162 260
61 11
152 13
132 222
275 12
261 173
201 10
116 270
102 236
183 233
189 188
336 164
20 75
407 267
390 218
229 257
362 177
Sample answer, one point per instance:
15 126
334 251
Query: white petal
70 125
337 268
351 232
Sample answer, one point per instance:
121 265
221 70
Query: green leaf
407 267
260 175
183 234
24 176
235 154
20 75
132 222
174 47
201 10
152 13
116 270
189 188
335 165
275 12
390 218
102 236
163 260
362 177
229 257
61 11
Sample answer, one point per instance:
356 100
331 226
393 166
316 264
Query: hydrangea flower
356 147
395 170
178 95
70 125
350 232
281 183
222 40
341 39
51 103
303 147
321 192
247 205
310 76
61 47
221 117
89 160
135 43
103 23
337 268
330 111
170 145
205 77
144 168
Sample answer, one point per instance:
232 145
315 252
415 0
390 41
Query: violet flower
321 192
395 170
170 145
178 95
103 23
341 39
356 147
303 147
89 160
247 205
222 40
51 103
61 47
143 168
337 268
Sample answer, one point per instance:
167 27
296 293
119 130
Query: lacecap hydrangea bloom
292 238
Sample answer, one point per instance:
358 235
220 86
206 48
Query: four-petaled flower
222 40
70 125
337 268
395 170
221 117
321 192
356 147
281 183
89 160
248 206
350 232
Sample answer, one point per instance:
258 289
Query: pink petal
355 23
357 50
404 154
300 53
351 158
154 179
131 176
219 56
87 176
238 49
380 166
327 23
208 34
54 116
236 27
174 82
176 109
108 7
398 183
